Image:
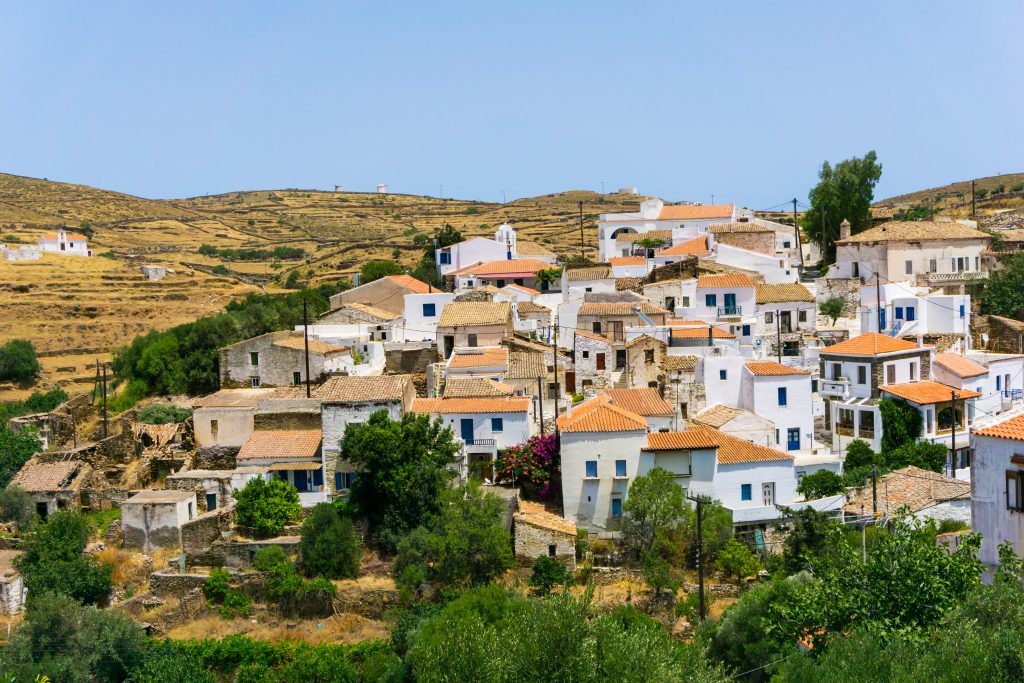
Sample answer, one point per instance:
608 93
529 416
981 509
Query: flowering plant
534 466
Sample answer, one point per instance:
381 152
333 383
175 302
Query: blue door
730 304
467 430
211 501
881 319
793 439
301 482
910 313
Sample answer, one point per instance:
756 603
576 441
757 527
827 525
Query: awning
299 465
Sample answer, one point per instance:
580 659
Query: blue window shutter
722 374
746 330
782 396
591 468
711 299
899 313
745 492
616 507
961 310
620 468
497 424
429 310
337 481
318 477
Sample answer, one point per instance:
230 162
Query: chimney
844 230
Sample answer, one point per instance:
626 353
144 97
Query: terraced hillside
995 194
76 309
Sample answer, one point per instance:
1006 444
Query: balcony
844 428
962 276
482 443
730 311
836 388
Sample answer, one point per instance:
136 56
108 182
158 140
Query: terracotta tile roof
465 406
683 322
733 450
70 236
375 311
784 293
960 366
646 401
688 212
49 476
234 398
682 363
524 307
525 248
296 341
592 335
277 444
724 280
696 246
913 231
522 288
625 284
374 388
700 333
483 357
525 365
627 261
466 313
869 344
642 339
927 392
1012 428
911 486
738 227
600 415
470 387
599 272
690 439
412 284
619 308
631 237
718 415
534 514
505 267
769 368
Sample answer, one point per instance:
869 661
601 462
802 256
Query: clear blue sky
740 99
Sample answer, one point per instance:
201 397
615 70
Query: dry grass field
77 309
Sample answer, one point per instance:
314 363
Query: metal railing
478 442
730 310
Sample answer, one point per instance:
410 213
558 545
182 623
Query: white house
576 282
729 297
997 486
63 242
647 403
998 377
947 414
914 311
291 455
785 312
422 311
485 425
629 266
682 222
504 246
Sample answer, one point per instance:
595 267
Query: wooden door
570 381
600 361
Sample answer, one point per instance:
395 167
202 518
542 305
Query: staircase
620 380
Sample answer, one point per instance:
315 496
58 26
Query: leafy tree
292 281
923 454
16 449
737 561
162 413
375 270
207 250
403 469
267 506
16 505
981 193
1003 294
548 276
900 423
18 362
289 590
329 546
164 662
548 573
832 307
44 402
659 573
72 644
843 192
52 560
655 502
466 546
820 484
807 538
859 454
717 529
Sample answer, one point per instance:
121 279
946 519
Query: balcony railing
835 387
478 442
729 311
957 277
866 432
844 429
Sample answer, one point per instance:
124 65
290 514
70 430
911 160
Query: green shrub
221 269
235 604
18 362
17 505
52 560
217 585
163 413
329 546
737 561
820 484
548 573
107 255
266 506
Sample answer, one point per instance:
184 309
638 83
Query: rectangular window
910 267
497 424
214 425
862 374
552 549
913 372
710 299
472 340
999 382
782 396
769 318
591 468
254 382
961 310
616 507
686 302
254 358
890 374
933 265
899 313
746 330
977 263
429 310
596 327
803 316
776 437
296 377
746 492
856 269
837 370
785 245
620 468
586 354
723 374
446 258
648 355
1013 491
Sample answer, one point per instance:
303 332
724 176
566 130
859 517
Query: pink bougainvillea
532 466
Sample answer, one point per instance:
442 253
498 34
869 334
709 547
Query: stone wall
1005 335
12 595
533 541
409 358
200 533
761 242
685 269
215 458
287 420
847 289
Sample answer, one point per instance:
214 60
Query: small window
933 265
552 550
913 372
999 384
254 358
910 267
429 310
890 374
588 289
769 318
586 354
296 377
445 258
620 468
899 313
785 245
856 269
497 424
961 310
782 396
596 327
648 355
803 316
723 374
616 507
746 330
214 425
862 374
710 299
472 340
686 302
254 382
746 492
591 468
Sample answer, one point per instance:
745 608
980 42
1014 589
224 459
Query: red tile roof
869 344
731 450
689 212
700 333
483 357
592 335
724 280
927 392
1012 428
465 406
627 261
600 415
506 267
694 437
646 401
375 388
278 444
522 288
696 246
411 283
960 366
766 368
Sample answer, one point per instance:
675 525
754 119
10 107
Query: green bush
266 506
221 269
820 484
374 270
163 413
284 585
900 423
18 362
52 560
217 585
16 449
548 573
329 547
17 505
107 255
737 561
859 454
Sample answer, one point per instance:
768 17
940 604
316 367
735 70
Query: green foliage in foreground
329 546
52 560
267 506
162 413
18 362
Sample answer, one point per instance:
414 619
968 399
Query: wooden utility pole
701 501
305 337
874 490
582 246
974 205
104 400
796 231
554 349
540 403
878 302
952 442
778 335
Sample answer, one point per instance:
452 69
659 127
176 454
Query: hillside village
695 344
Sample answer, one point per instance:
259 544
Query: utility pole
874 491
952 443
974 206
305 336
878 302
540 403
582 247
796 231
104 400
778 335
701 501
558 388
863 542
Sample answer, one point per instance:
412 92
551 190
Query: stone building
153 519
53 485
645 357
745 235
278 359
474 323
213 488
12 587
539 533
594 356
